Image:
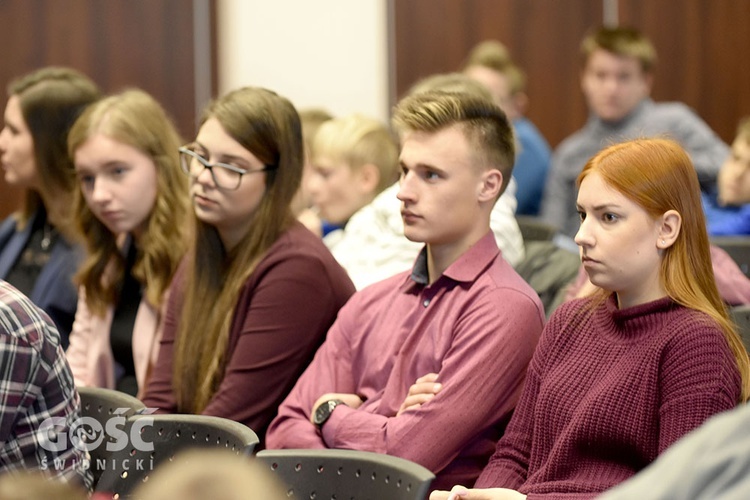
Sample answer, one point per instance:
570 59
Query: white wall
318 53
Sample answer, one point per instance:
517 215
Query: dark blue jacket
54 291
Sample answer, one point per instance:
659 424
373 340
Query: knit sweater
607 391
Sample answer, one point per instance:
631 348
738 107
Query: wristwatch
323 412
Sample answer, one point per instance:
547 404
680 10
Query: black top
35 255
121 333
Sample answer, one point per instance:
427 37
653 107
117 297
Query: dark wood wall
701 46
149 44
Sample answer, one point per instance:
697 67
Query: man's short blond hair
355 141
486 126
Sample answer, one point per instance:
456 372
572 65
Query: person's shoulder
8 228
377 298
23 321
575 308
571 148
500 282
9 223
571 142
299 245
384 288
673 111
690 328
298 241
525 127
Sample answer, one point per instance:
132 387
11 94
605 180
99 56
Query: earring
663 242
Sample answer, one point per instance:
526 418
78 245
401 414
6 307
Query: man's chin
733 201
612 116
414 236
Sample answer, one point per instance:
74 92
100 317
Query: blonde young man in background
352 159
490 64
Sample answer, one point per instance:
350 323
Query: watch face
324 411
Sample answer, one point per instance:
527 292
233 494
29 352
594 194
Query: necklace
47 234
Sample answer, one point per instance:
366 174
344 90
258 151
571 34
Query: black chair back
354 475
102 403
158 438
106 406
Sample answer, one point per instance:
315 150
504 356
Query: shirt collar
465 269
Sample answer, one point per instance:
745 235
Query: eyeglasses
224 175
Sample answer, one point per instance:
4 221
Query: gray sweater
710 463
673 120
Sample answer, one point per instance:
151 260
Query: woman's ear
489 189
671 223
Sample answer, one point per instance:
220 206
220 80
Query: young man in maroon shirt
461 318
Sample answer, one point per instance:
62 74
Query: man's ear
671 223
368 176
520 103
491 183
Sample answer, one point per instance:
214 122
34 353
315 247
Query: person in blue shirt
727 207
490 64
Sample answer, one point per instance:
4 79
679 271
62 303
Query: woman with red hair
620 375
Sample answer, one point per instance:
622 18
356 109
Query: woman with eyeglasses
131 208
257 292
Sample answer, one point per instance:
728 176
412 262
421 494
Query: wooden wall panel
434 36
118 43
700 45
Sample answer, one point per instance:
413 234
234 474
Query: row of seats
120 461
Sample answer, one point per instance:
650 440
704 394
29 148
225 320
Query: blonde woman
131 207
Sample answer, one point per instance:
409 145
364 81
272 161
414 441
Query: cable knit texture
606 392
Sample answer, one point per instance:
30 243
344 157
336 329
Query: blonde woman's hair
657 174
136 119
268 126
